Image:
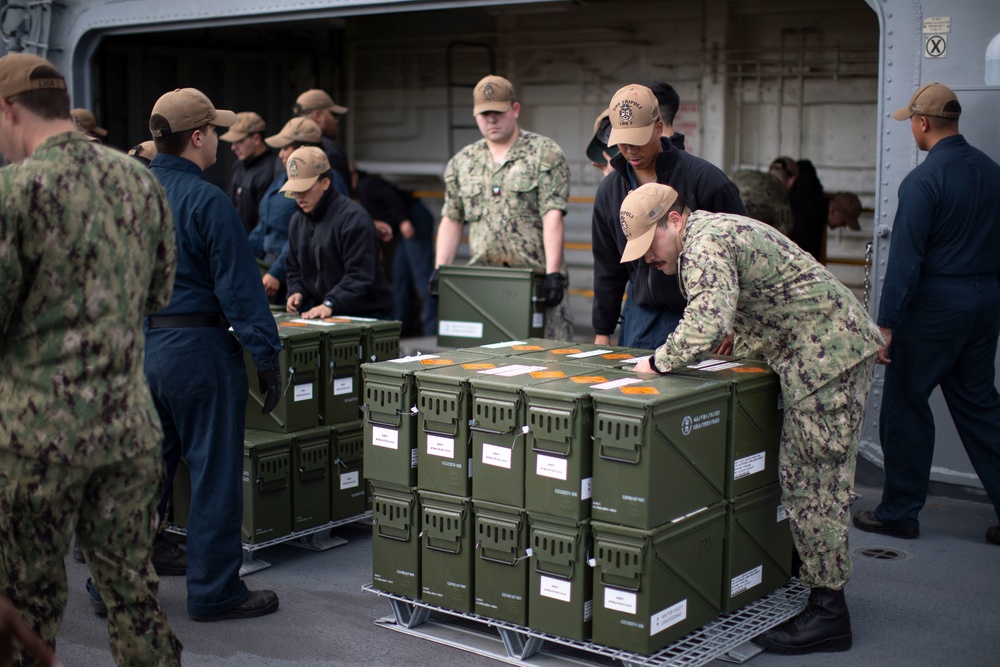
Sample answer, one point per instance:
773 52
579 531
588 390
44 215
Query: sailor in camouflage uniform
509 190
86 249
764 199
741 275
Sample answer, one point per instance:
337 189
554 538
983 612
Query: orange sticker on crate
589 379
749 369
527 348
293 324
640 390
437 362
336 319
548 374
478 367
567 350
617 355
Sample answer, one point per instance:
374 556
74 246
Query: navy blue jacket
333 255
216 270
248 183
269 239
947 224
702 185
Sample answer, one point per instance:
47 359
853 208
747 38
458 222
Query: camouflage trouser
558 322
113 511
819 449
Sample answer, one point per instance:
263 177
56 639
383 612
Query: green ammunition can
758 553
756 416
395 539
659 447
267 489
446 550
499 429
561 584
501 569
481 304
298 407
652 587
310 478
348 493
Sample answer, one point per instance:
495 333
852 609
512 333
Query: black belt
187 321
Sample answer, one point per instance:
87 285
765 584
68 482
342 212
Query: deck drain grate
881 553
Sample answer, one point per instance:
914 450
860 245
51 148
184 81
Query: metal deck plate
518 645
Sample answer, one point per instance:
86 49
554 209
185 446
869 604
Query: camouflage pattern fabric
502 207
816 462
86 250
742 275
764 199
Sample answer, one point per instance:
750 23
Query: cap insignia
293 168
488 92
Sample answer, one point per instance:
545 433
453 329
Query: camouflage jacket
86 250
503 204
739 274
764 199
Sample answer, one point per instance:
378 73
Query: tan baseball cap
247 123
633 113
146 150
299 130
304 168
186 109
850 206
87 123
930 100
19 73
314 99
492 93
641 210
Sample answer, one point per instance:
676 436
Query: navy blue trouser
947 337
412 265
645 328
199 384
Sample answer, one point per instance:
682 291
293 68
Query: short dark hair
47 103
939 123
296 145
679 206
668 99
172 144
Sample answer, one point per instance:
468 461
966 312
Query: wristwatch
329 304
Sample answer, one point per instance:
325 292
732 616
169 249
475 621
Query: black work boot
168 558
823 626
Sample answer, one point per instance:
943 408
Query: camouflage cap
633 113
19 73
492 93
186 109
247 123
931 99
641 210
298 130
315 99
87 123
304 168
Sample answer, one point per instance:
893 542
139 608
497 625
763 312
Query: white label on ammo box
460 329
537 320
619 600
440 446
303 392
673 615
343 386
350 480
745 581
586 488
496 456
748 465
557 589
385 437
506 343
591 353
604 386
416 357
550 466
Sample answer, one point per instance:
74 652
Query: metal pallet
726 638
305 539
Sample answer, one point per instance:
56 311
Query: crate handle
312 474
378 530
482 554
447 551
627 588
634 460
542 570
268 485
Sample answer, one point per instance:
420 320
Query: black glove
432 284
270 382
552 289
